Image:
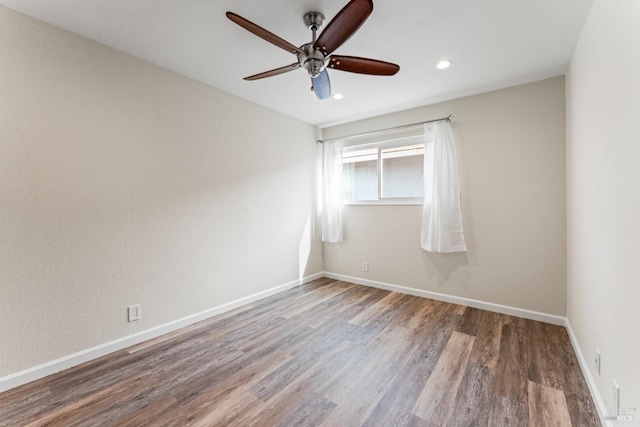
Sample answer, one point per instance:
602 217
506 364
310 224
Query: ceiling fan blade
322 85
262 33
343 25
274 72
354 64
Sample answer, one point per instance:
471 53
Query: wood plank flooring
328 353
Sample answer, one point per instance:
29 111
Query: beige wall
512 167
603 195
123 183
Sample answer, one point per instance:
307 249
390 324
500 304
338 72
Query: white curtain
441 214
331 191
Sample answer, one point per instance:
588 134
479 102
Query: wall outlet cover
134 312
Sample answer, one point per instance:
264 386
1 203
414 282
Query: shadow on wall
443 266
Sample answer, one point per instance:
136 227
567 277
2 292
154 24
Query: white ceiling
492 43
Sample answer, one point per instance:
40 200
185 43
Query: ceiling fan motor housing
311 59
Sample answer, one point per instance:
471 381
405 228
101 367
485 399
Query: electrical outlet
365 266
134 312
616 398
597 361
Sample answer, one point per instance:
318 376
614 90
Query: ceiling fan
316 56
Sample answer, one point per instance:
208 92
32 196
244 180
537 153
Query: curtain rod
449 118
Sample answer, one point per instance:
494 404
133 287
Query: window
389 172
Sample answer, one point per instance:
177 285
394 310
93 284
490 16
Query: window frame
381 145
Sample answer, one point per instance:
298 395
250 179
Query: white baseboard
31 374
584 366
489 306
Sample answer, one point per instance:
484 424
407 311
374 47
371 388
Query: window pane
360 175
403 171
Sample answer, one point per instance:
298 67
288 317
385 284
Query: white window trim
386 201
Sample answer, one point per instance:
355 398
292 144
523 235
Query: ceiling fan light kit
315 57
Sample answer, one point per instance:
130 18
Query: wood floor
327 353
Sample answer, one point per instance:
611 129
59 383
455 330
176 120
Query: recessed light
338 96
443 64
